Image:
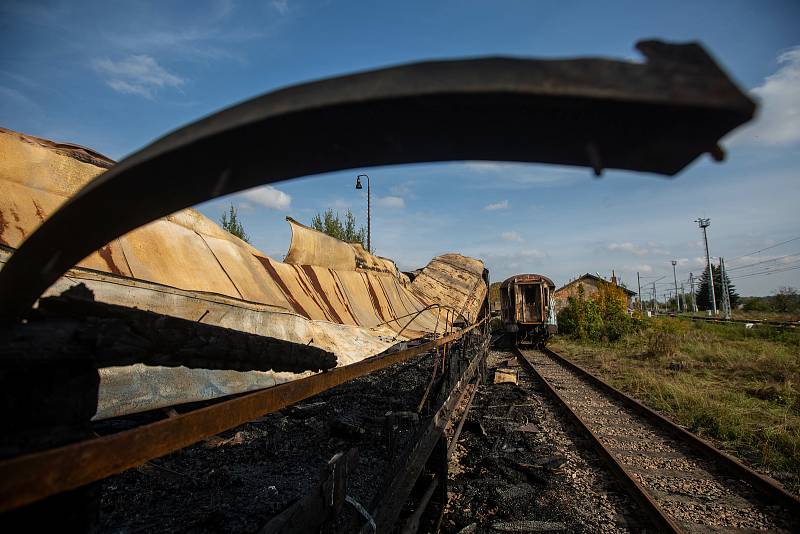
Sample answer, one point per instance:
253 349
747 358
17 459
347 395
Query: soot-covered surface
239 480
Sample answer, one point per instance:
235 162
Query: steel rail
660 519
766 485
32 477
657 116
757 322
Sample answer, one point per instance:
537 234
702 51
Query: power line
768 272
773 246
764 261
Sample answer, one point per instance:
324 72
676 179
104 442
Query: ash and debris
238 481
519 467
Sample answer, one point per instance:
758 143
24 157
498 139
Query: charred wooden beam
74 323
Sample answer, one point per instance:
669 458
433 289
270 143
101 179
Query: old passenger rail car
527 308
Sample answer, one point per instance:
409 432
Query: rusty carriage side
527 309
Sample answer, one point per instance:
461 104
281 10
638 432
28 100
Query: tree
230 222
703 297
330 224
786 300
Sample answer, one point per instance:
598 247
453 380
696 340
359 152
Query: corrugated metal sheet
331 294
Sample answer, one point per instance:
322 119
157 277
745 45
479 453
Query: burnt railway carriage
527 308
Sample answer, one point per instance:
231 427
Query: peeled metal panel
454 280
360 302
23 209
297 290
27 161
109 258
170 254
327 287
246 272
310 247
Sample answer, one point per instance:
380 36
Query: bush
602 318
662 344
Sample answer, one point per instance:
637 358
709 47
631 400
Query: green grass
737 386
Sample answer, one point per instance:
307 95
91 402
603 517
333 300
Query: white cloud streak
281 6
501 205
512 236
139 75
391 202
627 247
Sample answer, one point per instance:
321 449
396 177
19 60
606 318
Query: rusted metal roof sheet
328 293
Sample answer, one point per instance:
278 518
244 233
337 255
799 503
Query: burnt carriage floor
240 480
520 466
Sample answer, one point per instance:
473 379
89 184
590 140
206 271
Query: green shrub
602 318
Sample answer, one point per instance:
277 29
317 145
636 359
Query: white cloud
391 202
402 190
660 251
269 197
502 205
511 236
137 75
627 247
281 6
523 175
778 123
644 268
341 204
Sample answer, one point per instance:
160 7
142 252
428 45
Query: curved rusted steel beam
656 116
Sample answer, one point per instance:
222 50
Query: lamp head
358 183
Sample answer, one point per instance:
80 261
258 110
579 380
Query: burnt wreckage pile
107 326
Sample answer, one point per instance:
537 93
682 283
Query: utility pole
726 296
691 283
704 224
639 283
655 299
675 279
683 299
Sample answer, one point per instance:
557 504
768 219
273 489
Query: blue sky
116 75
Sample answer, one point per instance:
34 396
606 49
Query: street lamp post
369 210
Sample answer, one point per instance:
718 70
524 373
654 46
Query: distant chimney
613 277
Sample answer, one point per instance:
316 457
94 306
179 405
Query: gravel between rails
570 489
700 496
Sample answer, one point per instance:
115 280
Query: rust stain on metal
39 211
374 297
278 280
105 253
337 287
312 276
3 226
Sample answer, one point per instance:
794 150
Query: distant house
590 283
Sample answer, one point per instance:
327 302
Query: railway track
683 483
